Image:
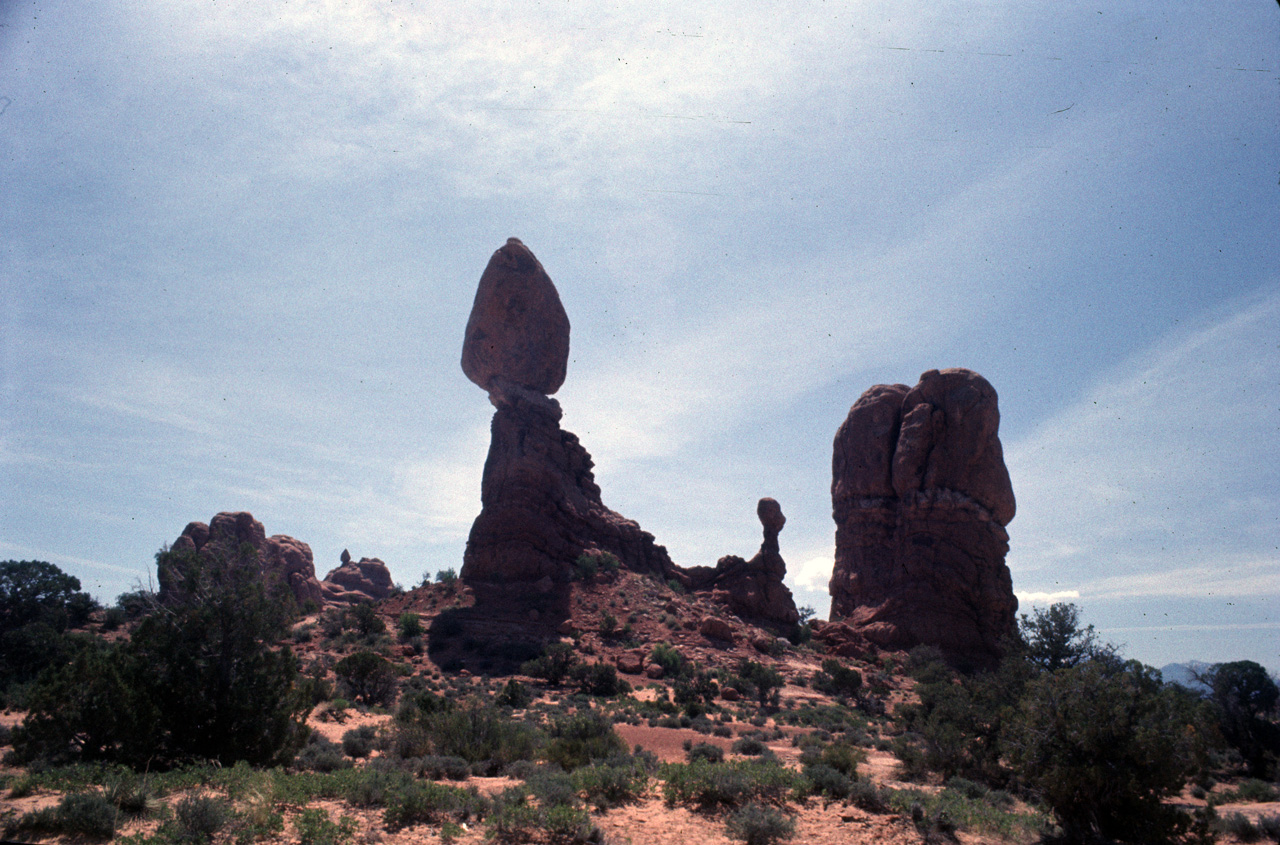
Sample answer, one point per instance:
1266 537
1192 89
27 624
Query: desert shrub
755 824
1238 826
749 746
599 679
359 742
673 663
365 620
481 735
202 680
1251 790
705 751
581 739
867 796
554 665
447 578
314 827
824 780
514 695
321 755
551 786
367 677
837 679
424 802
198 818
755 679
698 687
409 625
439 767
1103 744
86 814
711 785
1245 701
613 782
585 568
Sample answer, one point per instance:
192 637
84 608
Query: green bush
1245 701
749 746
321 755
515 695
759 825
611 783
554 665
409 625
711 785
582 738
824 780
316 828
837 679
481 735
438 767
367 677
1103 744
424 802
673 663
705 751
198 818
359 742
599 679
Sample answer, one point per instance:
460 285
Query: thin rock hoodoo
541 508
920 496
753 589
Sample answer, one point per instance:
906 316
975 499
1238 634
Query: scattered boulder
715 628
357 581
518 331
729 694
631 663
653 672
279 556
752 589
541 508
920 496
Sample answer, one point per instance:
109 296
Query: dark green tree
201 678
36 591
223 690
1054 639
1104 743
1245 700
367 677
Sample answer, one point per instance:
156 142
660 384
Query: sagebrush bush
314 827
705 751
613 782
582 738
711 785
321 755
198 818
755 824
359 742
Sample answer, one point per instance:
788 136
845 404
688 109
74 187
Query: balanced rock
920 496
752 589
282 558
518 330
367 579
541 508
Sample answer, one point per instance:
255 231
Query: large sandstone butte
280 556
541 508
752 589
920 496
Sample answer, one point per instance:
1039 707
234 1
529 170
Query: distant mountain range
1184 674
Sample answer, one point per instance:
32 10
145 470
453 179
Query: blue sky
241 241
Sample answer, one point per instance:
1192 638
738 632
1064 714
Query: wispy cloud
1154 475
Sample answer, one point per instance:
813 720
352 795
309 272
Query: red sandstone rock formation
279 556
752 589
541 507
518 330
920 496
357 581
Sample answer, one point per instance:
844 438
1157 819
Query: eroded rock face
367 579
920 496
279 556
752 589
541 507
518 330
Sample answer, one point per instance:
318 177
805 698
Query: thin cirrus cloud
1154 474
